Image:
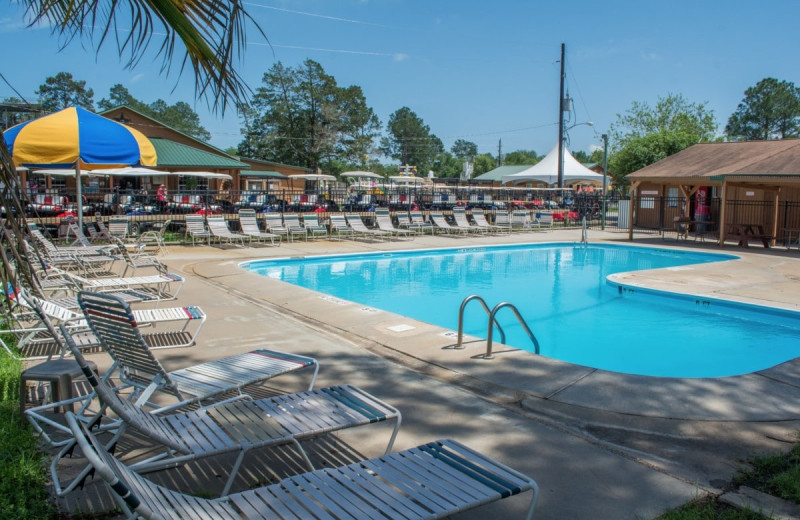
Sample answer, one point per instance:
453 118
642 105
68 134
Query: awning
131 171
206 175
263 174
361 174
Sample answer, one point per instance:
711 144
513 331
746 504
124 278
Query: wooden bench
743 233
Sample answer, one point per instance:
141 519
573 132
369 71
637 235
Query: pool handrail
492 317
460 342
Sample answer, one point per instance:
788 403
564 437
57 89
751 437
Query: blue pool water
562 291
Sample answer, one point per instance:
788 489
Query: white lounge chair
249 225
359 228
196 229
441 223
460 216
384 219
218 227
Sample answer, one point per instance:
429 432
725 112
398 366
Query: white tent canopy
546 171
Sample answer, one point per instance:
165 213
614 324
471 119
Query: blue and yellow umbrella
77 138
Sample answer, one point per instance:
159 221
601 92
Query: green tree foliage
410 140
580 156
484 162
770 110
179 116
521 157
641 151
445 165
673 113
301 116
62 91
464 150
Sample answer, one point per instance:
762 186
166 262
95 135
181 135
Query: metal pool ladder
492 321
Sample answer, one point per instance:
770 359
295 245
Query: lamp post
605 176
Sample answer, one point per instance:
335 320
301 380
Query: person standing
161 198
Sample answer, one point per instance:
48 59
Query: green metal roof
497 173
263 174
172 154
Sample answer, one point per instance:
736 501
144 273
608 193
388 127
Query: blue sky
474 70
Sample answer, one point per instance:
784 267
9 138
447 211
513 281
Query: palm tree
212 33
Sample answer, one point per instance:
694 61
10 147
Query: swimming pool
562 291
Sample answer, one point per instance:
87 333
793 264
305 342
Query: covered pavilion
760 171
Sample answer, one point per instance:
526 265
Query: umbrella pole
79 195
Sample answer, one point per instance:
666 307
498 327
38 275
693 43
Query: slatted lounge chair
480 221
460 217
340 227
219 231
197 230
171 327
115 325
544 220
434 480
119 227
275 225
154 238
137 260
503 220
249 225
361 229
313 226
160 287
521 220
384 219
292 223
236 427
418 222
441 224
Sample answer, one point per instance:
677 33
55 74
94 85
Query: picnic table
746 232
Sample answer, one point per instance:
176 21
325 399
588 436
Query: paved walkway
600 444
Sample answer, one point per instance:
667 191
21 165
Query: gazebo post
723 204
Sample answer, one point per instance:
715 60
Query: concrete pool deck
600 444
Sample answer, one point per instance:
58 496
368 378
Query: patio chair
460 217
137 260
154 238
434 480
275 225
418 222
218 227
502 220
313 226
340 227
480 221
234 427
292 223
361 229
441 223
384 220
196 229
249 225
155 287
119 227
116 326
89 260
521 220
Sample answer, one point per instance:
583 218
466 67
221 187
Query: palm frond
211 32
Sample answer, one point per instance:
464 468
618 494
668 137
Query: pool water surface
562 292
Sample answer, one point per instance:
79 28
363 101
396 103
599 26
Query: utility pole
561 124
500 152
605 177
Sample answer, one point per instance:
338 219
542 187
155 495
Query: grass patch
777 475
22 464
707 509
